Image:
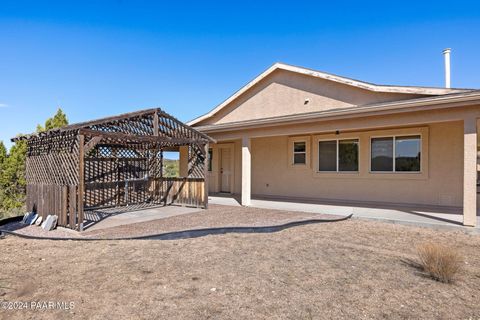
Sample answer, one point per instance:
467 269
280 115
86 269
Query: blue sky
100 58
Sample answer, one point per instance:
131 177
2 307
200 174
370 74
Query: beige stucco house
296 133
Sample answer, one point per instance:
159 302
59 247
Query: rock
27 217
39 221
31 217
44 223
50 223
34 218
55 222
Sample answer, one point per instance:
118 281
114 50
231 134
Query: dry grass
440 262
346 270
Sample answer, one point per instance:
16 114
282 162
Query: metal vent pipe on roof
446 55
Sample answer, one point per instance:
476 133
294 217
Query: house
296 133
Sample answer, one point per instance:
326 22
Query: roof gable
397 92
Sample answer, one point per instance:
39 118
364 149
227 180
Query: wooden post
154 163
205 180
81 179
155 123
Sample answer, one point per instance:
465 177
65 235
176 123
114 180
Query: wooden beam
186 126
92 143
81 180
179 127
80 125
137 138
155 124
124 116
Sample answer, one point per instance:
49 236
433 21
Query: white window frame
394 137
336 155
298 152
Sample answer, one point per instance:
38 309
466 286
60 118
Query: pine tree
3 158
3 154
12 177
57 121
12 167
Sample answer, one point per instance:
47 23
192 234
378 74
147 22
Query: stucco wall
440 182
284 93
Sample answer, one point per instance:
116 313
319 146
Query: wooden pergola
113 162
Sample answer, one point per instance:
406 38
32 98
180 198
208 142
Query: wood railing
61 200
183 191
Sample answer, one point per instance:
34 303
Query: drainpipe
446 55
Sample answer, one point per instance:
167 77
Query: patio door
225 170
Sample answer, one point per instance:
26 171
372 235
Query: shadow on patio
420 215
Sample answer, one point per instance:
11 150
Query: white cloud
3 105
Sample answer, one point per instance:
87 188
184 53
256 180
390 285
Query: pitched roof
458 99
433 91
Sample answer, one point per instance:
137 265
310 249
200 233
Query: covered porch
428 216
259 172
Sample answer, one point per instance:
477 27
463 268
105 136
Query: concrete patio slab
143 215
438 217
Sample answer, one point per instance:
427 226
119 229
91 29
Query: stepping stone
38 221
50 223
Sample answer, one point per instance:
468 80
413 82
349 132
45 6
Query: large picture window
338 155
396 154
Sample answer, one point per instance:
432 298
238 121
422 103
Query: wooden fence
62 200
183 191
57 200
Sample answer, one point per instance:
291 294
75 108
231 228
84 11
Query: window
348 155
407 153
338 155
396 154
382 154
327 155
210 156
299 152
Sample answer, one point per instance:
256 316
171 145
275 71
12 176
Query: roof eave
466 99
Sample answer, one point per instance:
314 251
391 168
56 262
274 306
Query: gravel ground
346 270
215 216
37 231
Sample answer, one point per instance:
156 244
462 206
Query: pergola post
81 180
246 171
183 161
470 172
205 167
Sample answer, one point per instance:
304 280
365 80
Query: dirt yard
346 270
215 216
